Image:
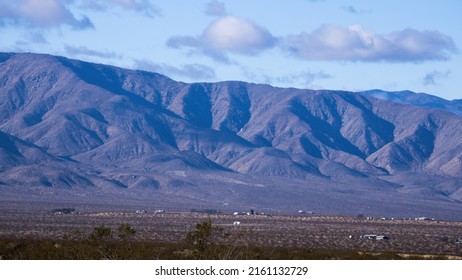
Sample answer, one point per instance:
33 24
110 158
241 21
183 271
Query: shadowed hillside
81 132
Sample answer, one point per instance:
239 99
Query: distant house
423 219
374 237
306 212
369 236
236 213
458 241
63 211
236 223
381 237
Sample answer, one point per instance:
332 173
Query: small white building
369 236
375 236
381 237
236 223
423 219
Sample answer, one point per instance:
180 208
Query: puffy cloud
235 34
416 45
142 6
354 43
193 71
40 13
432 77
328 43
215 8
227 34
84 51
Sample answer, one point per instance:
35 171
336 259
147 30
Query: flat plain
406 237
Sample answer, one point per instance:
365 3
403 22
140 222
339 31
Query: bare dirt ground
303 231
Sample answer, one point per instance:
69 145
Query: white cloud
192 71
354 43
215 8
327 43
238 35
40 13
227 34
142 6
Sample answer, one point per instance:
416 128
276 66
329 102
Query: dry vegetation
162 235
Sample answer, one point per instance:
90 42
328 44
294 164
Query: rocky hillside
80 132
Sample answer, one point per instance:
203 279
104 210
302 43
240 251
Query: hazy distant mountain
418 99
72 131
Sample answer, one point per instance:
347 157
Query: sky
352 45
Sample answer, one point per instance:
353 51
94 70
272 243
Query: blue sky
321 44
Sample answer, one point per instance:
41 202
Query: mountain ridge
128 136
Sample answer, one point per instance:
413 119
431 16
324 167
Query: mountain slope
117 136
417 99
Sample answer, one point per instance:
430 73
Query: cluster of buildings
248 213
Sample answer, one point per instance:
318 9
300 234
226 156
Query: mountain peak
129 136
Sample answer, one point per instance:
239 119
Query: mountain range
78 132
